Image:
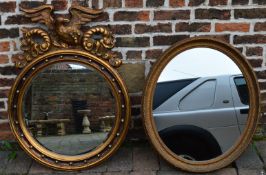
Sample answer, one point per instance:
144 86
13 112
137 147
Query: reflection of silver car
201 118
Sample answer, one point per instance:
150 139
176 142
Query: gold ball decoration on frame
201 104
69 109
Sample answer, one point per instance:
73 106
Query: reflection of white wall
198 62
77 66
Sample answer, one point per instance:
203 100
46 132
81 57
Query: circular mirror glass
69 108
200 104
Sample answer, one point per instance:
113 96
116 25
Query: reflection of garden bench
106 123
40 124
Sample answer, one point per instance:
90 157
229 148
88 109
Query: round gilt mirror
201 104
69 109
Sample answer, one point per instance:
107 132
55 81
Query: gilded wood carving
183 162
61 41
66 33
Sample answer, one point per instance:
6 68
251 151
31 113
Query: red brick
250 39
240 27
60 4
121 29
259 2
195 2
4 59
177 3
6 135
9 33
162 28
134 3
171 14
168 40
6 82
9 70
212 14
112 3
136 55
3 115
192 27
2 105
8 6
31 4
260 26
132 16
4 46
239 2
250 13
18 19
154 54
262 86
154 3
255 62
254 51
225 38
261 74
4 94
4 126
81 3
218 2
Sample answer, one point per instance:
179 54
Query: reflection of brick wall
54 91
143 30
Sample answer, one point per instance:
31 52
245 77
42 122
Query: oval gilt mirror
201 104
69 110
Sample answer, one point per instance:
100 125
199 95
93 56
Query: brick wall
55 91
143 30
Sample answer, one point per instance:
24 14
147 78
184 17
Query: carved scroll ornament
65 33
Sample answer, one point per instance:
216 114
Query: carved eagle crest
66 30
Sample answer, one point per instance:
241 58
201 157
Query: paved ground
138 159
73 144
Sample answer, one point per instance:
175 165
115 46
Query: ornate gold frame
95 53
149 124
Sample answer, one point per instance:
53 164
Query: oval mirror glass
200 104
69 108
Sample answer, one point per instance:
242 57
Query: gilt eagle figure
65 29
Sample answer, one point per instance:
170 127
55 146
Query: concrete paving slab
20 165
3 161
121 161
38 169
175 173
98 169
251 172
165 166
117 173
143 173
249 160
224 171
145 159
261 147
